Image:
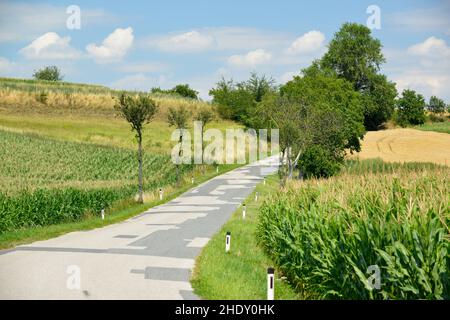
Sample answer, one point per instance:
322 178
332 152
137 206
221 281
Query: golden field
406 145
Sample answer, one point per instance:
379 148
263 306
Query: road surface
149 256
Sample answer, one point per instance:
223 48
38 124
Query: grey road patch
126 236
170 274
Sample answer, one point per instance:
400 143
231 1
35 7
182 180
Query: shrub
436 118
317 162
410 108
42 97
50 73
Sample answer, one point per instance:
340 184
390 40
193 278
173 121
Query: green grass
120 211
443 127
241 273
108 131
31 161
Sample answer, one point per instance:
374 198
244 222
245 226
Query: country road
150 256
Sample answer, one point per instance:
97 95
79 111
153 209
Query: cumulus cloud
218 38
288 76
424 82
24 21
50 46
191 41
423 67
250 59
431 47
114 47
307 43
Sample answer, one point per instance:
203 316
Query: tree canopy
353 54
49 73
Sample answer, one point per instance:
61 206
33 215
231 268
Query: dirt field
406 145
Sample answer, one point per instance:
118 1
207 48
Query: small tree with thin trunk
137 111
205 116
178 118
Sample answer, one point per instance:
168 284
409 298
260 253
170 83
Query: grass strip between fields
121 211
240 274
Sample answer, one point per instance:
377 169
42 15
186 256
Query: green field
325 234
321 236
68 156
443 127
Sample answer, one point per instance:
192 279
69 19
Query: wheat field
406 145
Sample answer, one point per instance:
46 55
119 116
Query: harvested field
406 145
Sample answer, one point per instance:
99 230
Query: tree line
326 110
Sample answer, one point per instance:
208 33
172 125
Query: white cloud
251 59
423 67
431 47
307 43
191 41
50 46
425 83
114 47
218 38
24 21
139 82
288 76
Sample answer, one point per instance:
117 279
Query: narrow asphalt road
150 256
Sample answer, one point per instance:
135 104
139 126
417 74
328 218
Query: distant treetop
49 73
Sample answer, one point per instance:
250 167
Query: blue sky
143 44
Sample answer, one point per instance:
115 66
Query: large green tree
436 105
319 89
238 101
410 108
353 54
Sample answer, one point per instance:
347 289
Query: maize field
327 236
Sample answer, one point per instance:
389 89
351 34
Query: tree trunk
141 197
180 154
203 159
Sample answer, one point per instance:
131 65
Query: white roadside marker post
192 180
270 284
256 196
160 194
264 181
244 211
217 169
103 214
228 242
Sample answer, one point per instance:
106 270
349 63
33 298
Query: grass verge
119 212
241 273
443 127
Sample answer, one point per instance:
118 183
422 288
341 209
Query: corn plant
325 234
